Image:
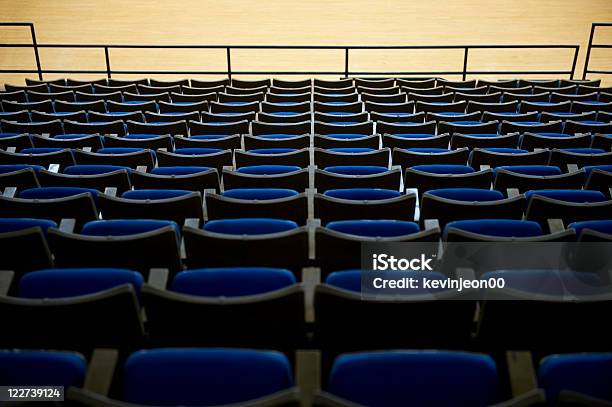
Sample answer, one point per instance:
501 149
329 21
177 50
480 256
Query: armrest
158 278
87 149
431 224
311 276
54 168
6 279
572 167
521 372
466 273
310 193
192 222
512 192
312 224
555 225
67 225
101 370
9 192
311 176
163 149
11 149
308 374
110 191
228 168
484 167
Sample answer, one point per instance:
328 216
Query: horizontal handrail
109 71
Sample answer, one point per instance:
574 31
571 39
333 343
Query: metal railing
586 69
109 71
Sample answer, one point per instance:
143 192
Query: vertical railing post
36 55
108 67
588 54
229 63
574 61
346 62
465 62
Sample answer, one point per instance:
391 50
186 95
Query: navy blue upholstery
538 170
467 194
13 224
588 169
93 169
125 227
231 282
374 228
6 168
272 150
568 195
59 283
268 169
249 226
362 194
426 378
602 226
203 376
197 151
143 194
259 193
55 192
444 169
178 170
587 373
356 169
40 368
497 227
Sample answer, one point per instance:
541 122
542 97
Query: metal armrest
54 168
572 167
308 374
521 372
158 277
6 279
141 168
512 192
431 224
9 192
311 276
110 191
67 225
555 225
101 371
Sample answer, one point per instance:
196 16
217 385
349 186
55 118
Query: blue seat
568 195
497 227
374 228
203 376
14 224
538 170
583 150
362 194
41 150
94 169
268 169
55 192
419 378
345 136
588 169
249 226
467 194
72 282
444 169
272 150
585 373
259 193
125 227
231 281
6 168
356 169
42 368
178 170
602 226
351 150
119 150
145 194
197 151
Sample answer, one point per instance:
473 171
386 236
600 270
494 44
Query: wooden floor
316 22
